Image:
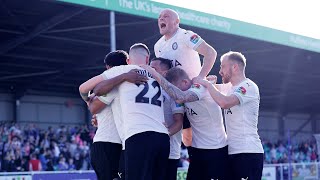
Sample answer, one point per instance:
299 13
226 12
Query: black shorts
105 159
207 164
146 156
172 168
245 165
121 172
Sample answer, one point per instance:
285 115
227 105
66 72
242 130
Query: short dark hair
140 45
116 58
235 57
166 63
175 74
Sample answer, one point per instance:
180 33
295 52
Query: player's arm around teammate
174 92
109 84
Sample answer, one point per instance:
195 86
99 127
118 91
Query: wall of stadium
300 126
48 110
43 110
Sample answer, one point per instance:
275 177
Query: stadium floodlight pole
112 31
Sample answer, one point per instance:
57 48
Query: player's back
142 106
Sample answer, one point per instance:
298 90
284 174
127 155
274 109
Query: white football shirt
113 101
206 120
106 130
170 108
181 50
141 105
242 120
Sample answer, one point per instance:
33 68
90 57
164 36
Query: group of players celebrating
144 110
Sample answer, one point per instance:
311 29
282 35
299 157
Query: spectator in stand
71 165
34 163
62 166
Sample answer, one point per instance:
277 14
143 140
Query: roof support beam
295 132
112 31
43 27
28 75
75 40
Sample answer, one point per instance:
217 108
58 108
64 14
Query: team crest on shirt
241 90
175 46
194 38
196 85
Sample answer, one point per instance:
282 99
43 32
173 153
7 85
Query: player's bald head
172 12
168 22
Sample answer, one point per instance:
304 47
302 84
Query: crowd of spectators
24 148
279 152
295 152
29 148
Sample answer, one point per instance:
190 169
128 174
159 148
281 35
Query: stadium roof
50 47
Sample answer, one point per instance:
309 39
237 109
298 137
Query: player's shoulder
187 35
119 69
184 32
247 85
161 40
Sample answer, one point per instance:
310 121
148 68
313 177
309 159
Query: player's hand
212 79
90 98
152 71
94 120
196 79
134 77
201 81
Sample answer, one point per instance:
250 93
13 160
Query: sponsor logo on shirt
241 90
176 63
196 85
227 111
175 46
194 38
190 111
179 105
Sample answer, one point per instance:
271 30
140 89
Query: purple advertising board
65 176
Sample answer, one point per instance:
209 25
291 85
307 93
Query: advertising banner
65 176
16 177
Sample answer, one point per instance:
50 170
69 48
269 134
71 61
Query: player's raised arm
225 102
209 57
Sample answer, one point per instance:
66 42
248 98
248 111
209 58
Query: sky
296 16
